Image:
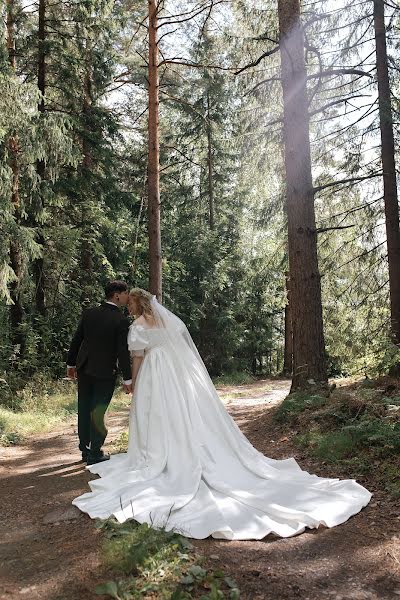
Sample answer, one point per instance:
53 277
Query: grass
235 378
39 408
358 426
297 403
42 404
15 426
37 413
120 444
155 563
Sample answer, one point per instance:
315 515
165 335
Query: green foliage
295 404
83 220
34 407
234 378
337 445
158 563
359 428
120 444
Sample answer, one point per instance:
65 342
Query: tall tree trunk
288 350
85 249
38 264
210 166
10 34
389 169
309 363
16 310
155 264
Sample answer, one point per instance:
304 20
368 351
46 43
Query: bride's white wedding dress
188 466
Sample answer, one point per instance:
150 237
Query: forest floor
50 551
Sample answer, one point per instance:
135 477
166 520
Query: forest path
51 551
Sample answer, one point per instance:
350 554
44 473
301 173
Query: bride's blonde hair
143 297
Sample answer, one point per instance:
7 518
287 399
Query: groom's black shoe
85 454
97 458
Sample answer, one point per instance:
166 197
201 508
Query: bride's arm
136 362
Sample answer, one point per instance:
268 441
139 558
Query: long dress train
188 466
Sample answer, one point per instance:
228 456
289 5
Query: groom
99 347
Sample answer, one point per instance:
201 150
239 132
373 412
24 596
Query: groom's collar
109 303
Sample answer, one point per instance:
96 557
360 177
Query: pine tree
308 339
155 273
16 253
389 168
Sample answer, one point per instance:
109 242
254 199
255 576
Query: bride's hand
127 388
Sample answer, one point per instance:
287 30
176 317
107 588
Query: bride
188 466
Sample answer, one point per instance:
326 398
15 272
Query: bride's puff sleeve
137 340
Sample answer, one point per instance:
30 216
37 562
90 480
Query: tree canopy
79 178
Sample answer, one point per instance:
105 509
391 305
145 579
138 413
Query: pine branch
322 108
365 253
353 210
390 5
165 34
185 102
259 59
175 18
324 229
355 109
182 61
360 273
335 72
384 284
370 110
183 154
183 14
206 21
319 188
327 73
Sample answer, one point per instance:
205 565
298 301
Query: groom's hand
127 388
71 372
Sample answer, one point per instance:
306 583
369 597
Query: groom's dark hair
113 287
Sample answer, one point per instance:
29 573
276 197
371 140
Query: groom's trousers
94 396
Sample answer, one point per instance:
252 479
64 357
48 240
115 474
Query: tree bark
38 264
85 249
309 361
154 226
10 34
288 351
210 167
16 261
389 169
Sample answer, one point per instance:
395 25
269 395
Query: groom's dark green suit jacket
100 344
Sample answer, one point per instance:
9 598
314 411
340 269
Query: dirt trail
50 551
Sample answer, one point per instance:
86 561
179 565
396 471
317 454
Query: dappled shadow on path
358 560
48 548
337 563
50 551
